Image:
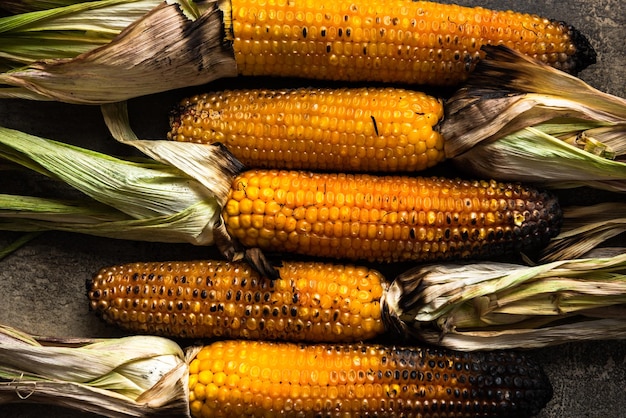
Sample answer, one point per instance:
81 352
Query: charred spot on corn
208 299
363 379
391 41
387 218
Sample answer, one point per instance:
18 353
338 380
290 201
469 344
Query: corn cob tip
585 54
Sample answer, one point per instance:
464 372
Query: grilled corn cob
205 299
391 41
387 218
252 378
359 129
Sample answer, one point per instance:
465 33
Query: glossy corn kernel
206 299
251 378
387 218
357 129
400 41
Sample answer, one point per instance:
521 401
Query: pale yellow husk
124 377
492 305
138 200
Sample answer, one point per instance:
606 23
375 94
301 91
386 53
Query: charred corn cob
360 129
205 299
252 378
391 41
387 218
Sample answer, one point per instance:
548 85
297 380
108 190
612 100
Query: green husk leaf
147 189
531 155
171 46
500 305
18 243
65 32
193 225
55 210
584 228
130 376
144 200
518 118
24 6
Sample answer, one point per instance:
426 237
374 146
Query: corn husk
520 120
65 31
584 229
490 305
134 376
138 200
25 6
170 46
177 197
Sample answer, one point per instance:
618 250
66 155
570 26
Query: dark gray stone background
42 286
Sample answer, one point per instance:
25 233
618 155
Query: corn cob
391 41
387 218
206 299
360 129
253 378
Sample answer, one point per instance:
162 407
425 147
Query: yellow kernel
205 377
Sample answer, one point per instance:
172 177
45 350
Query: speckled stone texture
42 286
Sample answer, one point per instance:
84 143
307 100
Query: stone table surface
42 285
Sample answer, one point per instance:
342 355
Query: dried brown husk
163 50
518 119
